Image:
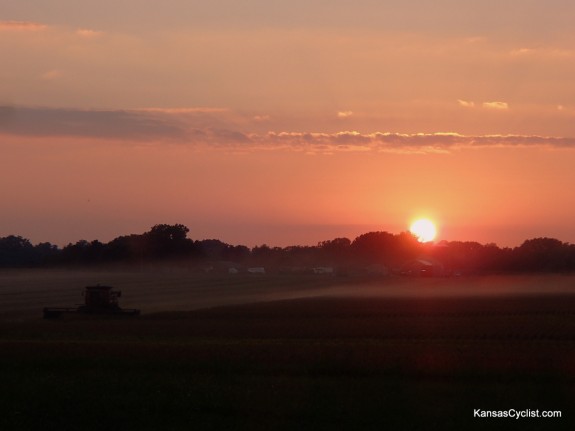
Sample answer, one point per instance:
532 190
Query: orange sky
287 124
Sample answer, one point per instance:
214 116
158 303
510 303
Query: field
287 352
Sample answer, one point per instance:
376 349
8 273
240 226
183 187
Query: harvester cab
97 300
101 297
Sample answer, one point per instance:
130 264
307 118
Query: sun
424 229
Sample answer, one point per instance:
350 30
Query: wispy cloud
194 110
21 26
521 52
548 52
32 26
101 124
216 128
88 33
344 114
465 103
501 106
405 143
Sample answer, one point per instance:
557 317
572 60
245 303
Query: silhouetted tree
83 252
336 251
407 246
16 251
543 254
175 233
126 248
165 240
213 249
386 248
170 241
268 256
373 247
46 253
238 253
297 256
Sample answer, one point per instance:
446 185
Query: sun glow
424 229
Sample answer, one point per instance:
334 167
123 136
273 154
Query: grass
320 363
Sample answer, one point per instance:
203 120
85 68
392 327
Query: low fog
24 293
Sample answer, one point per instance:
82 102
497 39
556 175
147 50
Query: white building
257 270
323 270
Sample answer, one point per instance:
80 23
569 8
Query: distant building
223 267
423 267
377 269
257 270
323 270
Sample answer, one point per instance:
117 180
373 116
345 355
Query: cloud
100 124
501 106
183 110
21 26
32 26
218 128
344 114
522 52
548 52
465 103
402 143
182 125
87 33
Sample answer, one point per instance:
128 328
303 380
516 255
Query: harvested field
307 353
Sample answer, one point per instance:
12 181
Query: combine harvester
99 300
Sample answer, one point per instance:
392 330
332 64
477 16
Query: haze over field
25 292
259 122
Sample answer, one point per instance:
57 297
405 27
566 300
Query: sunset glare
423 229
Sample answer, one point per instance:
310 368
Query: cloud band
217 128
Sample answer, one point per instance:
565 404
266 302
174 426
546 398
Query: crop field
287 352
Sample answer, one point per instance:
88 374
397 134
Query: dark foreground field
324 363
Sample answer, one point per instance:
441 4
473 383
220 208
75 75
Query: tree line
165 242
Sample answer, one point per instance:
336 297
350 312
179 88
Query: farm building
377 269
423 267
224 267
257 270
323 270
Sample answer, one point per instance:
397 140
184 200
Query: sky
287 123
